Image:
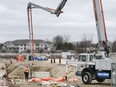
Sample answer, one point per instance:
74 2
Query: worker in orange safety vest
26 73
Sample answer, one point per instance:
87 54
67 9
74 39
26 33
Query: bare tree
66 38
58 41
62 42
86 37
85 43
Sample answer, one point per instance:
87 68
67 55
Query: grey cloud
77 19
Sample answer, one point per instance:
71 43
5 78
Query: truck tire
100 80
86 78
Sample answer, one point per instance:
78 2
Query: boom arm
30 6
60 7
100 22
52 11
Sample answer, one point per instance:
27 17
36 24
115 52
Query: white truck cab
93 67
83 60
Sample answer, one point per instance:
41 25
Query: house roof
25 41
49 43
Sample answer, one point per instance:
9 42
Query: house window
37 44
37 48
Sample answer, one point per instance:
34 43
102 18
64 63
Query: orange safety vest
26 70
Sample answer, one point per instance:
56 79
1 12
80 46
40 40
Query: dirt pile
16 69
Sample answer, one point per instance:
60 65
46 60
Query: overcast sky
76 21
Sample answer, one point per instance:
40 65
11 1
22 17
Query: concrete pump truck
31 6
96 66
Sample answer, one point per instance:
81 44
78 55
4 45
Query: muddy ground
15 72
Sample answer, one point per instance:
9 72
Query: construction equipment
96 66
101 28
31 6
100 22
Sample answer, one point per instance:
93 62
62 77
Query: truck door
82 60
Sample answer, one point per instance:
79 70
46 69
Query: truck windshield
82 58
98 56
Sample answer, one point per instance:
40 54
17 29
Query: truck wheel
100 79
86 78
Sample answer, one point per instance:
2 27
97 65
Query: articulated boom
30 6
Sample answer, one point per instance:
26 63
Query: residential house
24 45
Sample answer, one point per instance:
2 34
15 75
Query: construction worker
26 73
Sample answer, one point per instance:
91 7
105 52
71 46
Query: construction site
93 68
43 74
